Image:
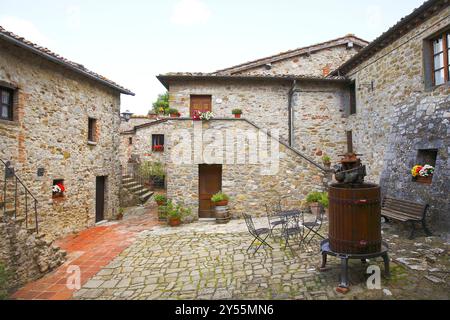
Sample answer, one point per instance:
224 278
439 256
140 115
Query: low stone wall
27 257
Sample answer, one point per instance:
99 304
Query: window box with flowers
202 116
58 189
423 174
158 148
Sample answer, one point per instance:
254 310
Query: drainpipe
292 91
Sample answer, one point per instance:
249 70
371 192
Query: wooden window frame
352 108
445 52
158 139
92 130
9 105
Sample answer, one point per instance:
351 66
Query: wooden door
210 182
200 103
100 199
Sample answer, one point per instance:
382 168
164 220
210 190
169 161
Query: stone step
127 180
146 196
130 184
142 191
136 188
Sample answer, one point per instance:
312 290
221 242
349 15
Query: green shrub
4 277
172 211
220 196
324 201
236 111
320 197
160 198
173 111
152 169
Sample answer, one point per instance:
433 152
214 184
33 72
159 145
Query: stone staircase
137 188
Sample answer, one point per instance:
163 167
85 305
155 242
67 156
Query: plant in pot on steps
326 161
325 202
220 201
161 201
237 113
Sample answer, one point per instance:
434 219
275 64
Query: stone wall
248 187
27 257
319 120
265 103
50 131
401 115
318 63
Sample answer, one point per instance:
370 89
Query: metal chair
256 233
291 227
314 227
274 217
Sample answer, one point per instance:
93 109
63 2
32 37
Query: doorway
100 199
200 103
210 182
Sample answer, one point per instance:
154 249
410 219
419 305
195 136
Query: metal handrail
16 195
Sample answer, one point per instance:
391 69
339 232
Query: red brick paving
91 250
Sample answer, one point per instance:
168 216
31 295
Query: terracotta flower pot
174 115
237 116
221 203
174 222
315 208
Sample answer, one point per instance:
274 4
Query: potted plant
174 113
423 174
326 161
58 190
175 213
237 113
204 116
313 199
158 148
160 200
325 202
220 199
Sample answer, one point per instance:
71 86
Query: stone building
59 125
388 99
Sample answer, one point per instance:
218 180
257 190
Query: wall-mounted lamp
370 86
268 66
126 115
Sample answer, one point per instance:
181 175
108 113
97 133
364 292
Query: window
427 156
6 103
441 51
58 188
158 142
352 98
130 141
92 130
349 141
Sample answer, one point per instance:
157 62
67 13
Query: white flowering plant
206 116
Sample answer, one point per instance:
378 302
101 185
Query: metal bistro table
291 224
344 284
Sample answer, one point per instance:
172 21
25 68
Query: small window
441 52
427 156
352 109
130 141
349 141
58 189
92 130
158 142
6 104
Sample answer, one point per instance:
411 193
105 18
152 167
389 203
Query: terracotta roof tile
50 55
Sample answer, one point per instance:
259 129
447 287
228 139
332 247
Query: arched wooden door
210 182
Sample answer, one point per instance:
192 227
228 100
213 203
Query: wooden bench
405 211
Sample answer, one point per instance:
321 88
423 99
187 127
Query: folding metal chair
256 233
314 227
274 217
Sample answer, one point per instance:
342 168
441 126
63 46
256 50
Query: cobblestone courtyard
208 261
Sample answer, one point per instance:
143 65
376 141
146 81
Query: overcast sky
132 41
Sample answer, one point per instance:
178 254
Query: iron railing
20 200
143 176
